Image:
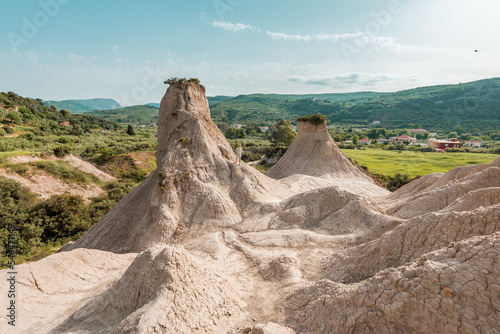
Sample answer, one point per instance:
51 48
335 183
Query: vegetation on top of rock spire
175 80
314 119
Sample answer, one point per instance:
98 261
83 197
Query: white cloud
234 27
115 48
316 37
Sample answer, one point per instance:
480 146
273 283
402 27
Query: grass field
414 163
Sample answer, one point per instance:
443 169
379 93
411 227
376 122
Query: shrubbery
175 80
314 119
61 151
395 182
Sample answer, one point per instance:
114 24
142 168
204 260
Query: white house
403 138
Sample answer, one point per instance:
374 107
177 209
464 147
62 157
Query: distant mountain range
81 106
212 100
140 114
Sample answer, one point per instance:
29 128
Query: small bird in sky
476 50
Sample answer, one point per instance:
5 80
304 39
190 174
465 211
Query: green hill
140 114
212 100
470 105
81 106
21 114
264 108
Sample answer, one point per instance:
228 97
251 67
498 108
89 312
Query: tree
283 133
421 136
234 133
355 139
373 134
453 134
440 105
14 117
130 130
27 114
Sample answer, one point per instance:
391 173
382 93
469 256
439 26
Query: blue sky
65 49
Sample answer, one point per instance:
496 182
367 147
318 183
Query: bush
455 150
425 149
395 182
61 151
136 176
250 156
61 216
9 130
27 136
117 190
269 152
64 140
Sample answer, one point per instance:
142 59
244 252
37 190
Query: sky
78 49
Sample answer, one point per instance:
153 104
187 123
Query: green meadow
414 163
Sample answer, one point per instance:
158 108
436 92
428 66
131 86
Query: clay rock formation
318 247
436 191
453 290
314 152
165 290
196 186
52 289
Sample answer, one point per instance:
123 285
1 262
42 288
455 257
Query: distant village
440 145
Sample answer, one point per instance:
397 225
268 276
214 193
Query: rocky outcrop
314 152
409 241
437 191
196 186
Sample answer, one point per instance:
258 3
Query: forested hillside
264 108
32 114
474 105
